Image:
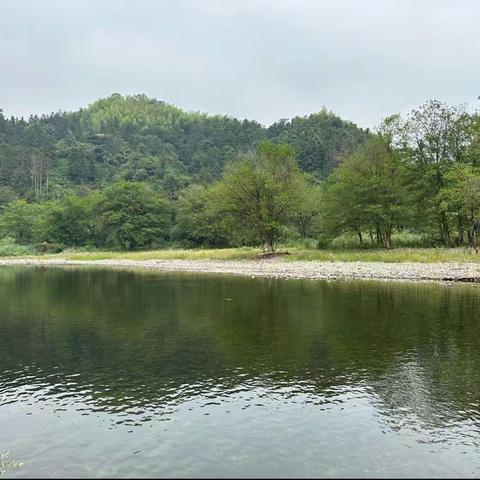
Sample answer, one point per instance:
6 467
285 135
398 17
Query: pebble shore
276 268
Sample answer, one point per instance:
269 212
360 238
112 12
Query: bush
47 247
9 248
299 243
323 242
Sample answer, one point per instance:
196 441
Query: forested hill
142 139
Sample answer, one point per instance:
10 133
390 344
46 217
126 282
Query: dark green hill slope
141 138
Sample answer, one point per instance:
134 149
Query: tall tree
461 198
135 214
21 220
198 221
367 193
258 192
436 137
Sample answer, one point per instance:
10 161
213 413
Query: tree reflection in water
142 346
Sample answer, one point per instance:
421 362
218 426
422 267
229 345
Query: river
130 373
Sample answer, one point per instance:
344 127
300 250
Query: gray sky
257 59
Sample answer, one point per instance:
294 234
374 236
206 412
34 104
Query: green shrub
47 247
9 248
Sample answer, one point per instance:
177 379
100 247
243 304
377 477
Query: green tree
79 158
306 207
7 195
22 220
135 214
368 192
321 140
461 197
436 137
74 221
258 192
473 150
198 221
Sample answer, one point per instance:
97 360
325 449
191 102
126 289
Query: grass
409 247
167 254
396 255
349 241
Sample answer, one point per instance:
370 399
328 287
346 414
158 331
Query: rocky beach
277 268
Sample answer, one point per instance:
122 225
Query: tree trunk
379 235
444 230
388 238
360 238
371 235
460 239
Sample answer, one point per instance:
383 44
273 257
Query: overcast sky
261 60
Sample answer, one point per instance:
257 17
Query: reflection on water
141 374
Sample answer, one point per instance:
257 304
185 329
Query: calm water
109 373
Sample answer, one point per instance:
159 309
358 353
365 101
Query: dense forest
133 172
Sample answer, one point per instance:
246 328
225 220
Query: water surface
117 373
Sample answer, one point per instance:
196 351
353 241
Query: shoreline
275 268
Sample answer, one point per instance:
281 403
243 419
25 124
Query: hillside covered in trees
136 138
134 172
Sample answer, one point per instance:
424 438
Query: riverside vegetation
133 173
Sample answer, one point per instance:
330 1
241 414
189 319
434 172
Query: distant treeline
133 172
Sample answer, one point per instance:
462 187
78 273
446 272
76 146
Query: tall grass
167 254
396 255
349 241
408 248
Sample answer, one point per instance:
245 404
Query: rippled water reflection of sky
117 373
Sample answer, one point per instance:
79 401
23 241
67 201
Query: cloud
256 59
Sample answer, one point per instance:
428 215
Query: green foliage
402 239
49 248
198 222
307 201
7 195
79 160
130 115
135 215
72 221
461 199
433 139
261 193
133 172
9 248
22 221
136 138
368 192
321 140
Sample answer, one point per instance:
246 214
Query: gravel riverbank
276 268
